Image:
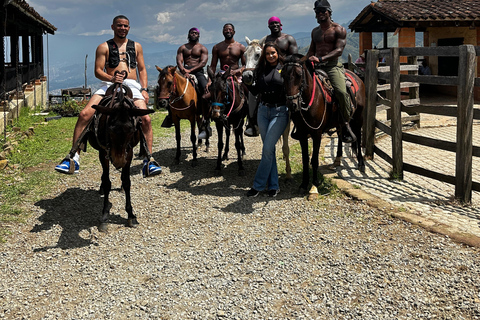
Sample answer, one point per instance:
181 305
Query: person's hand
145 96
118 78
314 59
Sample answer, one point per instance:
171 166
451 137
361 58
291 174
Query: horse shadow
75 216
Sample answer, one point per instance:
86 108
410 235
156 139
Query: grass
29 175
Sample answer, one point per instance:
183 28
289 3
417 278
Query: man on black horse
191 58
328 41
112 58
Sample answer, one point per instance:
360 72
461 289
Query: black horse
229 109
313 114
114 131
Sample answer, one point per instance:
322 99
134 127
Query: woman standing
272 116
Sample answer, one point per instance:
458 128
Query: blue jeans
272 122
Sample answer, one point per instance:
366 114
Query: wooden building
442 22
23 28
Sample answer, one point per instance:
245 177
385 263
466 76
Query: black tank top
114 55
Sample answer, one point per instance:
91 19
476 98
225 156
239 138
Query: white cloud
163 17
97 33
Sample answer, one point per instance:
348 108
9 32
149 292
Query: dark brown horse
313 116
229 109
114 132
179 93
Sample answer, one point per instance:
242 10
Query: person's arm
100 61
311 52
213 63
180 60
142 71
292 45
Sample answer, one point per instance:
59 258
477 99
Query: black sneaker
252 193
273 193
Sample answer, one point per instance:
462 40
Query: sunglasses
320 10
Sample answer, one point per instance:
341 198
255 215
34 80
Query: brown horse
179 93
229 109
114 132
313 116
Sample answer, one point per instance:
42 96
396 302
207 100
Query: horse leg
286 152
305 164
193 139
338 158
105 188
219 127
227 143
313 193
126 183
357 145
240 150
178 138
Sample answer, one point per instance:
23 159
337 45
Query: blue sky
163 25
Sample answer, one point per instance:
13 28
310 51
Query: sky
161 25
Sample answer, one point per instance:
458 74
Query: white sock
76 157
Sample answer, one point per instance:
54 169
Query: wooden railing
464 112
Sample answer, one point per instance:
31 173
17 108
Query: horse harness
174 92
232 90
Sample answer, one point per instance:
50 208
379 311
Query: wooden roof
23 19
388 15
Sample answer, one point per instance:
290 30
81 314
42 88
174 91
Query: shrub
69 108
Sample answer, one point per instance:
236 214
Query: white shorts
132 84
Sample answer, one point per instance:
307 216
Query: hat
194 29
322 4
275 19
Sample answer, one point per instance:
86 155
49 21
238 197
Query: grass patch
30 175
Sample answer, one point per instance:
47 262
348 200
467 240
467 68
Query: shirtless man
328 41
191 58
288 46
117 54
229 51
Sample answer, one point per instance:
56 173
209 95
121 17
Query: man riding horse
191 58
112 59
328 41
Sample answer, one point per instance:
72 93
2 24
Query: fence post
371 81
466 77
397 147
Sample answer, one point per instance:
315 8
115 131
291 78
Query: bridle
173 92
298 95
232 103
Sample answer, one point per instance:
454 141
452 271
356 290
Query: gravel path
205 251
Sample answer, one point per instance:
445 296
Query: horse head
220 92
166 85
118 130
252 55
294 79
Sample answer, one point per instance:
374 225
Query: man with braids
328 41
111 59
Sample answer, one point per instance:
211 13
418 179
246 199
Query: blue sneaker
150 168
64 167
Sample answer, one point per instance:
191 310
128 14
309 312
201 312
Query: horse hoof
218 172
132 223
103 227
361 168
177 161
312 196
337 163
241 173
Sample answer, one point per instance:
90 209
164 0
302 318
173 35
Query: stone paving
424 197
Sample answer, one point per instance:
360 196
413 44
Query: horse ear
158 68
226 74
103 109
139 112
173 70
248 40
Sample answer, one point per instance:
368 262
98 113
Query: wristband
144 89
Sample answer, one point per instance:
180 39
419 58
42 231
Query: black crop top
114 55
270 86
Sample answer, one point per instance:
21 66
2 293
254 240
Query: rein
174 90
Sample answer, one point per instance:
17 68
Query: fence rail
464 112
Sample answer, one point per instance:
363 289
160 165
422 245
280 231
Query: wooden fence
395 82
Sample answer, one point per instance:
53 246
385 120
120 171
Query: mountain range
64 73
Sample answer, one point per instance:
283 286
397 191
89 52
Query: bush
69 108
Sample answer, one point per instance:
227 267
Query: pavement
417 199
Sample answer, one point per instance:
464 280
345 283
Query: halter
222 105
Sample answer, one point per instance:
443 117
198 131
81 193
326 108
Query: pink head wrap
275 19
